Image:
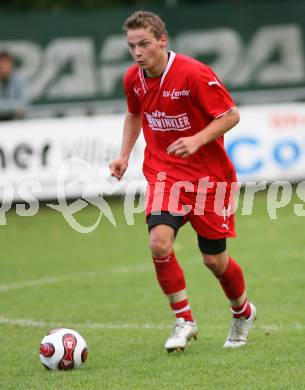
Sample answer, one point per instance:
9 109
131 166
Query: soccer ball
63 349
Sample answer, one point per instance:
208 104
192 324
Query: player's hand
118 167
183 147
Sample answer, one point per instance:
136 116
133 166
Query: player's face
6 67
146 50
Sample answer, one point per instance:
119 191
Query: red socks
169 274
243 310
182 309
232 280
233 284
171 279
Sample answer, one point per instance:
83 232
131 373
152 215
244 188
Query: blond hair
145 19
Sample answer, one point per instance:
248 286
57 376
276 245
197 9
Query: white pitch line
58 279
30 323
42 281
28 283
62 278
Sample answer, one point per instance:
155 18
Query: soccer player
184 111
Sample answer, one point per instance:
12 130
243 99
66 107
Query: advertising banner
257 49
62 157
54 158
269 143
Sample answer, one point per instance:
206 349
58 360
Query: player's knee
216 263
210 261
161 240
160 246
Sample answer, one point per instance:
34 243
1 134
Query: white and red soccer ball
63 349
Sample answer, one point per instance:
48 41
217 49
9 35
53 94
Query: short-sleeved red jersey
181 103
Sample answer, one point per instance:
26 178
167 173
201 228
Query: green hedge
57 5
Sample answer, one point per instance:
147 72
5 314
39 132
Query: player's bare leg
231 278
171 279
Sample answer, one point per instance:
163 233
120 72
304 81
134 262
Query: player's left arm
186 146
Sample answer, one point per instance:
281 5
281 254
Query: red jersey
181 103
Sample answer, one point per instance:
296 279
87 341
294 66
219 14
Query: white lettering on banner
286 41
159 121
240 65
90 75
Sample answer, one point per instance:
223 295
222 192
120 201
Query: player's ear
163 41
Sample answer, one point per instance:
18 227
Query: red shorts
210 211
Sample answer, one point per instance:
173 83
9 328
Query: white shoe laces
239 329
177 331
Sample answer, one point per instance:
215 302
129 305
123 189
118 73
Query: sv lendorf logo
176 94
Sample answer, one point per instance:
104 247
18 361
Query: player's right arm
131 132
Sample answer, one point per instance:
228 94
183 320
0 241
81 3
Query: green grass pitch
103 285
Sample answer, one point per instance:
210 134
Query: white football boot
181 334
240 329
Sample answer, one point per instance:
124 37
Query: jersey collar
172 56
